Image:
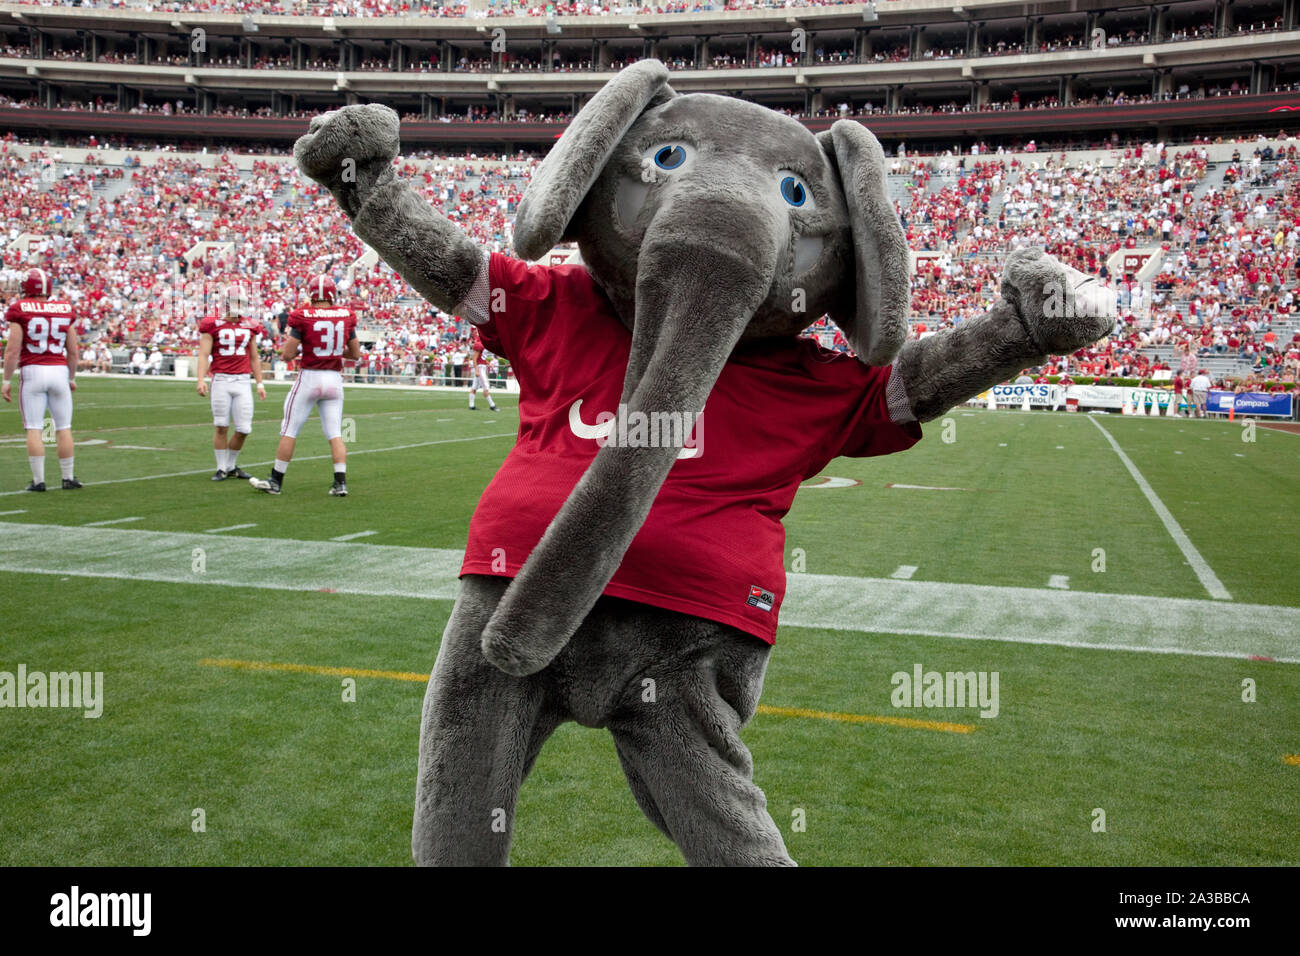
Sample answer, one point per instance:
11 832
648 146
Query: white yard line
100 524
19 511
1085 619
260 464
233 527
354 535
1202 568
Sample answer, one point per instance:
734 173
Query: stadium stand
147 152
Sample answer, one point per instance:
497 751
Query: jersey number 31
331 337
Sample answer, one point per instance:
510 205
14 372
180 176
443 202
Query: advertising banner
1096 396
1037 394
1270 404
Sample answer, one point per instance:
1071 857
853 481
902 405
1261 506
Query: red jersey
45 330
713 543
325 334
231 345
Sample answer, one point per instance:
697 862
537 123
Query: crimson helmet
322 289
37 282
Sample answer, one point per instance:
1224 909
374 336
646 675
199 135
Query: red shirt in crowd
713 543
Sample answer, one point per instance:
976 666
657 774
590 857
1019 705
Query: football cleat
220 475
270 485
69 484
339 489
35 486
238 473
473 408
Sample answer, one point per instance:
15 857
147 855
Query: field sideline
1043 558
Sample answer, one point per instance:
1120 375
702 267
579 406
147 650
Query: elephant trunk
692 305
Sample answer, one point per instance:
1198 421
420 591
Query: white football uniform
232 399
316 388
45 387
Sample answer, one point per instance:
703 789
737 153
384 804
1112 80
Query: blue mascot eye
670 157
792 191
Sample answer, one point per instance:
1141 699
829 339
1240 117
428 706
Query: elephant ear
877 327
573 164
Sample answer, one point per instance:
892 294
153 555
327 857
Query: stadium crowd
430 8
142 264
1228 269
141 249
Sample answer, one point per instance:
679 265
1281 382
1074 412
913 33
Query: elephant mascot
669 409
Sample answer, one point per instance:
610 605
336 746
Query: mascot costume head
604 555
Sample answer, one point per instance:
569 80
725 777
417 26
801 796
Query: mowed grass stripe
300 458
1204 572
866 605
802 712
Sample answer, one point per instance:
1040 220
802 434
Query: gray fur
948 368
704 260
877 325
681 751
351 153
695 261
564 176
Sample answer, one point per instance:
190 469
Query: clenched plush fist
350 152
1062 309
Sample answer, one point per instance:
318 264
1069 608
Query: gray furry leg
683 756
480 732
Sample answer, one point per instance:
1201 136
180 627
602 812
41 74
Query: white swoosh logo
592 432
582 429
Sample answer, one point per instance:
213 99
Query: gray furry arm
1046 308
350 152
952 366
423 246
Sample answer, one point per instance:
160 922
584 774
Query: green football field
1139 602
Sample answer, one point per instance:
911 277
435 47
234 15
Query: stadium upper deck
930 72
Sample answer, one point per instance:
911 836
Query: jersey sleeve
208 326
877 420
13 314
296 323
504 301
881 422
351 326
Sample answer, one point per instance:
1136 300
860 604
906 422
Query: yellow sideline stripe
312 669
868 719
423 678
1292 759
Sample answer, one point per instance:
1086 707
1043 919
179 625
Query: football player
228 349
326 333
43 342
478 373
